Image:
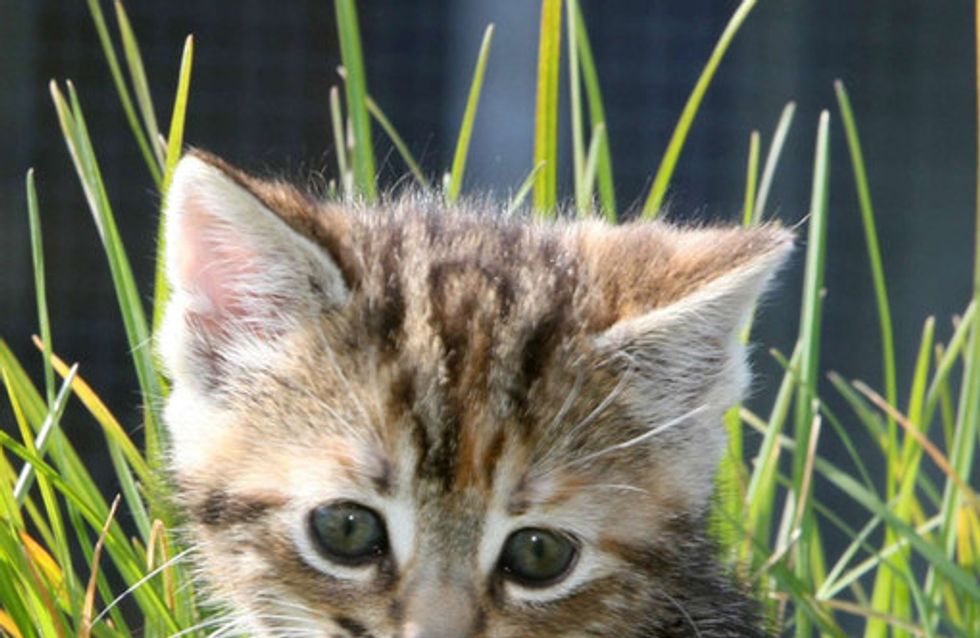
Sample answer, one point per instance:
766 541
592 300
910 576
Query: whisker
617 486
605 403
569 400
636 440
142 581
222 631
201 625
687 616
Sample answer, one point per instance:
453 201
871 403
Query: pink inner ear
214 262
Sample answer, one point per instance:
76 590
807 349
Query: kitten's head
419 422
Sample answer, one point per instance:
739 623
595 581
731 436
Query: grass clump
909 569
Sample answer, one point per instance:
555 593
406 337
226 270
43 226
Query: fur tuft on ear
680 345
238 272
716 298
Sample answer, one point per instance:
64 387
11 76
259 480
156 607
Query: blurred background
259 95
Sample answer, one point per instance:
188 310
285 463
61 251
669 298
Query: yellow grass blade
101 413
48 566
7 624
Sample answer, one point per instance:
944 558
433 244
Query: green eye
537 557
348 533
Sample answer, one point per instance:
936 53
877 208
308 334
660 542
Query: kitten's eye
537 557
348 533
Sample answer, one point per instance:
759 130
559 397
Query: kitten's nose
441 611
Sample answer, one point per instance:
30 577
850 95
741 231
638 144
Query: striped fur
465 375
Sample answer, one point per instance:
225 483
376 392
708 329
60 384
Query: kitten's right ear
238 273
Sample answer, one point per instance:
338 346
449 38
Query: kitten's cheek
199 432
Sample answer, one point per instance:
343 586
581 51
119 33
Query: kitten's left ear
237 270
699 285
678 299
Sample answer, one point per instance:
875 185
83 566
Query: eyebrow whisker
649 434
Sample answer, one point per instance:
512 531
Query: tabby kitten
414 421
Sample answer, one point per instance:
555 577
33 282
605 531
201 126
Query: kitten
414 421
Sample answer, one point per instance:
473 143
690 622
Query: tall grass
909 569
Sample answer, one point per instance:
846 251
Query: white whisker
617 486
569 400
201 625
141 582
605 403
636 440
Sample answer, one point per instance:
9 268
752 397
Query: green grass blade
890 594
69 465
175 147
866 415
761 489
118 546
957 576
597 116
948 360
127 103
839 580
920 378
522 191
130 302
810 321
400 145
772 159
40 286
661 181
933 554
812 309
873 249
48 430
356 90
110 425
833 583
731 480
592 168
907 465
469 116
137 75
16 588
546 109
844 436
880 563
122 452
583 197
751 180
178 117
26 478
340 142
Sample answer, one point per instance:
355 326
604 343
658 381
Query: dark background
259 95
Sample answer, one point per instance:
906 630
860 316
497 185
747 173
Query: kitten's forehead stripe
495 307
391 311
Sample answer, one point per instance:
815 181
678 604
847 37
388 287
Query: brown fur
466 359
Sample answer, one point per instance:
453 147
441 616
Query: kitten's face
422 423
